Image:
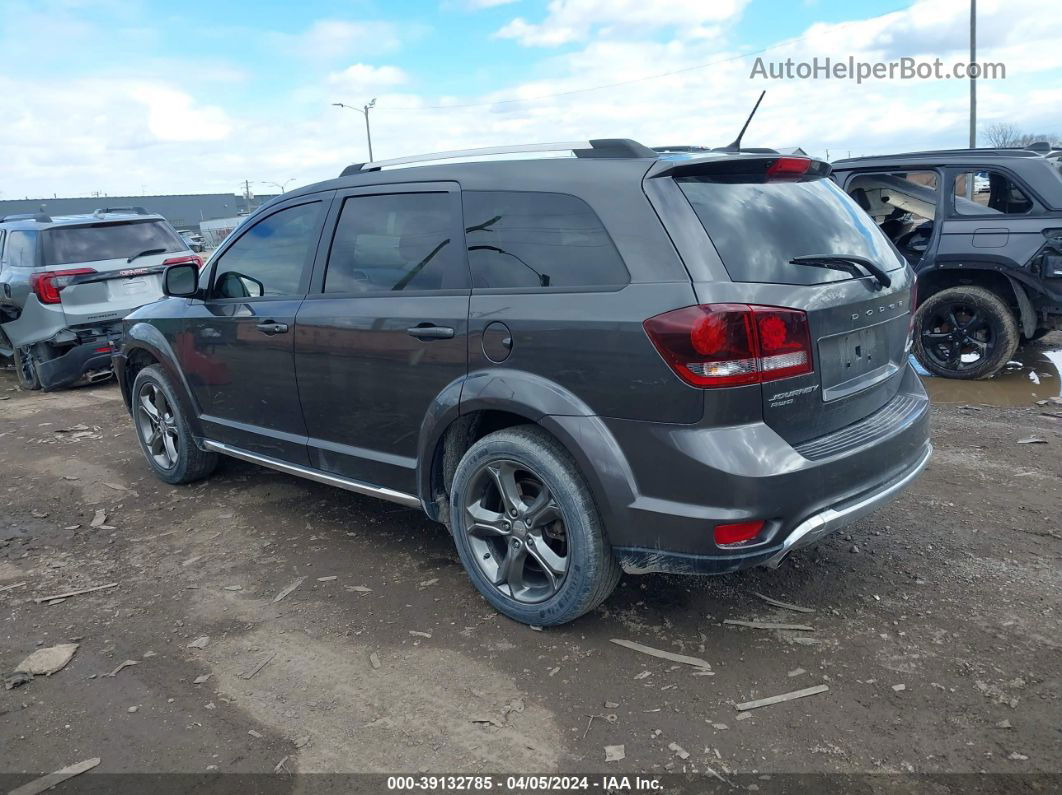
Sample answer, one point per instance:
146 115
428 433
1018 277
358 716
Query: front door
383 330
236 347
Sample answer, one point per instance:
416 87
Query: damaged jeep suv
67 282
983 230
622 360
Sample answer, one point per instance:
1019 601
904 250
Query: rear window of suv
758 227
66 245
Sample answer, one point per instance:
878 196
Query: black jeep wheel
26 370
527 530
965 332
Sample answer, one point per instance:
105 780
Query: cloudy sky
132 96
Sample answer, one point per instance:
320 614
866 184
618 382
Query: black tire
26 370
965 332
187 463
591 570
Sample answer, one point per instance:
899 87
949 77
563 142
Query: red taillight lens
717 345
788 167
47 286
738 533
194 259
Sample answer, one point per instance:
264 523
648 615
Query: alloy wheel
516 531
958 336
158 426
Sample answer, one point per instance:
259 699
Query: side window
21 246
270 258
528 239
3 234
395 241
989 193
903 204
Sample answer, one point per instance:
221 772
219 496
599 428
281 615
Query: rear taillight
47 286
738 533
788 168
718 345
193 259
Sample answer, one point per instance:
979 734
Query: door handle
269 328
429 332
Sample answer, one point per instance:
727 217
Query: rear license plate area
861 357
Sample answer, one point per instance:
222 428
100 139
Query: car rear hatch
100 272
789 237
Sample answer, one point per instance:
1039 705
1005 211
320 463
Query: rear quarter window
20 248
65 245
538 240
758 227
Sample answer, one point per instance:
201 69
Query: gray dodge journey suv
628 359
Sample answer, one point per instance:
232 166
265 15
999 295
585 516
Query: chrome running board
318 475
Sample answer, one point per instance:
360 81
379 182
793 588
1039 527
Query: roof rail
594 148
988 150
133 210
39 217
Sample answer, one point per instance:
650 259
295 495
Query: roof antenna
736 145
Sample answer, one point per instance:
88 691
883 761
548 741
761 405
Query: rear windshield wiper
839 261
147 253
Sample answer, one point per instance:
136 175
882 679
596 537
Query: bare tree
1001 134
1004 135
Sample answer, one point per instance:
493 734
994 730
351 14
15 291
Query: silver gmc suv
67 282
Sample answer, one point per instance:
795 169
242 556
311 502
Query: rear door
859 326
108 269
236 347
384 329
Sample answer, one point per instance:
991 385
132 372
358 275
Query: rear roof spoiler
133 210
718 163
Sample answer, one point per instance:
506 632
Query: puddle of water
1034 374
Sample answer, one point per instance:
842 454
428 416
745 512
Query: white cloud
363 77
328 39
574 20
479 5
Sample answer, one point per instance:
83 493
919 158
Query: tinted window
270 257
397 241
757 227
988 193
20 247
538 240
66 245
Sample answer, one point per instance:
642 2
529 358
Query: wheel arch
485 402
991 276
143 346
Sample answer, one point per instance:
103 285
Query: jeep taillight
47 285
717 345
193 259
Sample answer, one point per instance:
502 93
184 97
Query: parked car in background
989 261
194 241
619 360
66 282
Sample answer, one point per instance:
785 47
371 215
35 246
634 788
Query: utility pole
971 69
247 189
364 111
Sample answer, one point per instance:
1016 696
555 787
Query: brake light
47 286
195 259
718 345
737 533
788 167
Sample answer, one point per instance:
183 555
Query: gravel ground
936 626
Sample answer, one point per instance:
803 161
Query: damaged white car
66 283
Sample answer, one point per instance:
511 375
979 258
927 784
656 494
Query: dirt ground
936 624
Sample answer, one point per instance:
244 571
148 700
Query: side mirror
181 281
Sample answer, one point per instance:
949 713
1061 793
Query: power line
738 57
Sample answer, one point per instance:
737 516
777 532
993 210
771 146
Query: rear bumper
65 370
678 482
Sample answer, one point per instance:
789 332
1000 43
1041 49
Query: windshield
758 227
65 245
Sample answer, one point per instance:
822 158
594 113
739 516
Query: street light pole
282 185
364 111
973 79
